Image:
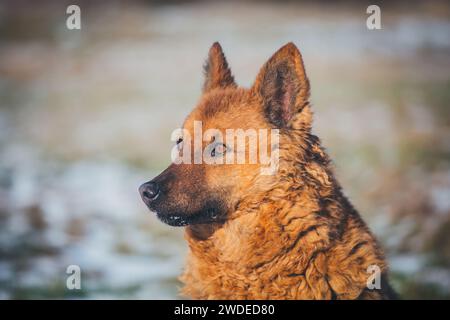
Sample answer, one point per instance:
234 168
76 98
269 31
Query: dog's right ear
217 72
283 86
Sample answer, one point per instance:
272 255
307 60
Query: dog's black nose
149 191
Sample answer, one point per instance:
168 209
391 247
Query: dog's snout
149 191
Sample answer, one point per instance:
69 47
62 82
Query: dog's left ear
217 72
283 86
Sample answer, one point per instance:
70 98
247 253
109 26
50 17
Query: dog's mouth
207 216
173 220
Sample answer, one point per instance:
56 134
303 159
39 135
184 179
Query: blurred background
86 117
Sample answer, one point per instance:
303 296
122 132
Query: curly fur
301 239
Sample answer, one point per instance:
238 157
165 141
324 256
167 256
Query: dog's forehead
220 101
223 109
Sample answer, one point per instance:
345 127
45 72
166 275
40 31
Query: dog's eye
179 143
218 150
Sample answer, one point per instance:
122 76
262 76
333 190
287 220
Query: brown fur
293 235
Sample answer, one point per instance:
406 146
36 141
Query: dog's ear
283 86
217 72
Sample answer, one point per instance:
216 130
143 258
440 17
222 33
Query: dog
288 235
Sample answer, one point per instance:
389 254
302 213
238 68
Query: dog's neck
295 240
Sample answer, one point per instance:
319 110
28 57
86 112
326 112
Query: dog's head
207 181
